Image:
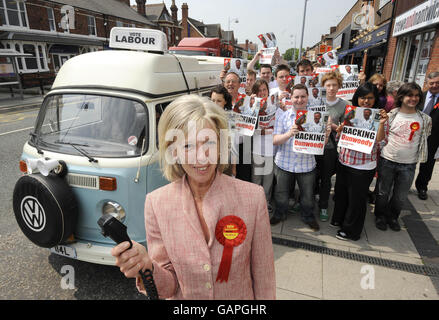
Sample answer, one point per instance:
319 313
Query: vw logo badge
33 213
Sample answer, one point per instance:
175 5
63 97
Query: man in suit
430 107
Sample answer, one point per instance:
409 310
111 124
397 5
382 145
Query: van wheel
45 209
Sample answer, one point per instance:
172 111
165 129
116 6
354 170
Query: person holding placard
356 171
290 165
409 130
262 166
304 68
326 164
231 83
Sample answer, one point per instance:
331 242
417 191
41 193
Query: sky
283 17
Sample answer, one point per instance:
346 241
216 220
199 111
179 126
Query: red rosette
415 126
230 231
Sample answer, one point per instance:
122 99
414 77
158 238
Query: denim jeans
284 181
263 173
399 176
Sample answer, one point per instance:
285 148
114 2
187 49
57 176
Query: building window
34 63
60 59
13 13
91 25
119 23
52 23
412 57
169 34
31 63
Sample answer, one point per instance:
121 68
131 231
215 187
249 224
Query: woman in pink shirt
208 234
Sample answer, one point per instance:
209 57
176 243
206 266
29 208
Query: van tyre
45 209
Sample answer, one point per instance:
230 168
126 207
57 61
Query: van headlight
114 209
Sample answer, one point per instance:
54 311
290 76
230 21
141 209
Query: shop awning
360 48
64 49
372 39
67 39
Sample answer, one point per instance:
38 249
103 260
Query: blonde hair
334 75
185 109
378 76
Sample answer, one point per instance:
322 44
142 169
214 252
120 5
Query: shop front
416 31
369 50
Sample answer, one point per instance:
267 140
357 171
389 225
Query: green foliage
288 55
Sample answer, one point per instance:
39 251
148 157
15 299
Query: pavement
382 265
30 99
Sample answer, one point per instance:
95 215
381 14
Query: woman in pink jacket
208 234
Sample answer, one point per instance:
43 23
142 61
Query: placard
312 128
360 129
244 116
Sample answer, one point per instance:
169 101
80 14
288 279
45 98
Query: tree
288 55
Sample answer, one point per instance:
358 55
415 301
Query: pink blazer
185 266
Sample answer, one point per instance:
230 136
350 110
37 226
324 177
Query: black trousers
326 168
351 188
426 169
244 166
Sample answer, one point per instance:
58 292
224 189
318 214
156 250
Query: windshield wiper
76 147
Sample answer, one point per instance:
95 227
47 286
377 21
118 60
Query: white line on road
18 130
14 131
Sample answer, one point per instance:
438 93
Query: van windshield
100 126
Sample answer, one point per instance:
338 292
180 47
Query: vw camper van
94 148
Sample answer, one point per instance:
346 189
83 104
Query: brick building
364 47
54 31
248 49
413 50
159 15
193 28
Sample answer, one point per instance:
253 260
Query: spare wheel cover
45 209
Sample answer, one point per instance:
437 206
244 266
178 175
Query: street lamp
234 20
303 30
294 51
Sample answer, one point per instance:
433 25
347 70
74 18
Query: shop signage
419 17
374 37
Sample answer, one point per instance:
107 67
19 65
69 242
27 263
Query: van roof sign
138 39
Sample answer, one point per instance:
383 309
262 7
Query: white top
402 146
313 127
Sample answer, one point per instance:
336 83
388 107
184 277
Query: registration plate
65 251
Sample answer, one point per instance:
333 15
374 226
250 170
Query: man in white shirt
349 76
366 123
316 126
